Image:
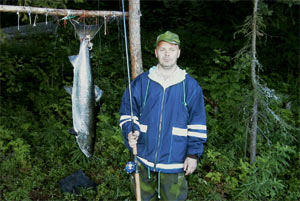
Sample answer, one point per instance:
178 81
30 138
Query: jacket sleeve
197 133
126 123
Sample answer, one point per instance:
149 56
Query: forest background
36 150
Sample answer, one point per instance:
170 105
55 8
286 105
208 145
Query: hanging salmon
84 94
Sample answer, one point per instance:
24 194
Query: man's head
167 49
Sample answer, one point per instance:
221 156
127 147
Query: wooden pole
59 12
135 38
137 176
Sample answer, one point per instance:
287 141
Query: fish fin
72 59
72 132
68 89
98 93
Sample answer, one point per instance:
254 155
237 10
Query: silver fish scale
83 100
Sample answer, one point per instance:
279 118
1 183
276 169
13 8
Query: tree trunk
255 87
135 38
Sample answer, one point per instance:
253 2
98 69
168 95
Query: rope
29 15
18 20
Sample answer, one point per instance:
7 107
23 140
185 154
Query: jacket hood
177 77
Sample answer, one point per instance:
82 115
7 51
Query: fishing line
133 154
98 17
122 47
99 35
98 22
120 36
127 62
134 149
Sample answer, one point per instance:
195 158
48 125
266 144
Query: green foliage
222 177
45 3
227 96
36 150
2 37
264 179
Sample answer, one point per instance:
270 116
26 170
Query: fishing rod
134 150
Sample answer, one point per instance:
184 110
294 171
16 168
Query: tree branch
58 12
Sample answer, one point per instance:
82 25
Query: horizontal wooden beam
59 12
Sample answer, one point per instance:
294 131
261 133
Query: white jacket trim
162 166
197 126
143 128
197 134
128 117
179 131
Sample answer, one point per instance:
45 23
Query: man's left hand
190 165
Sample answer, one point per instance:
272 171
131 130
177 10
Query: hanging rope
18 20
29 15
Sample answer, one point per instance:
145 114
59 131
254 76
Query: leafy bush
36 150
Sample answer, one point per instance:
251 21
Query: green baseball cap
169 37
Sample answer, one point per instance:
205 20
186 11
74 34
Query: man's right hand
132 138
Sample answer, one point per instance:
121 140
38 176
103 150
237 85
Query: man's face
167 54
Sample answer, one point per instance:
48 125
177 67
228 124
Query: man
169 123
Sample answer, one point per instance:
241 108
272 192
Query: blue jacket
170 116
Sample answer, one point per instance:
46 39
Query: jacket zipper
159 130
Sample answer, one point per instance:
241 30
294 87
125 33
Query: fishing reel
130 167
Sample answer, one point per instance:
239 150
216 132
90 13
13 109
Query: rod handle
136 176
137 186
134 150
